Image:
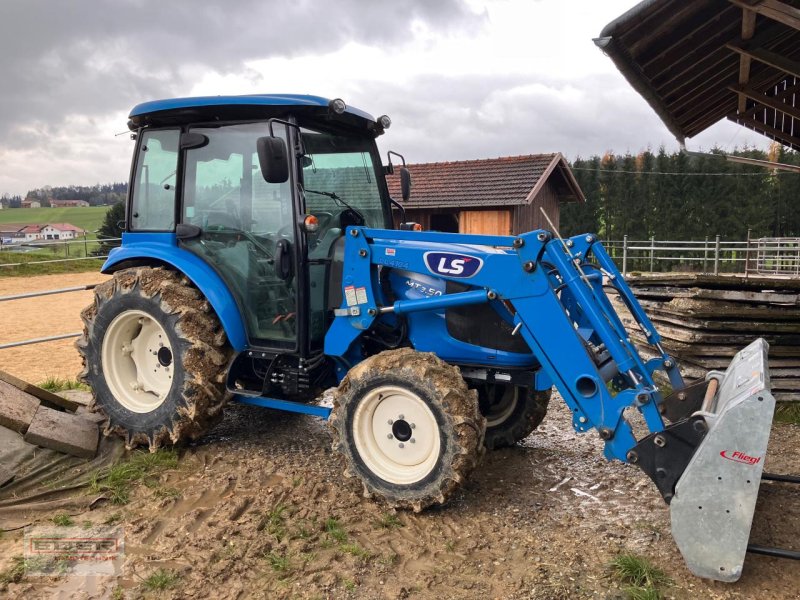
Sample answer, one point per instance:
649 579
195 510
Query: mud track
258 509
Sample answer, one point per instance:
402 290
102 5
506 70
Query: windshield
342 167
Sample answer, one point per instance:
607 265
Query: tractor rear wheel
155 356
512 412
408 427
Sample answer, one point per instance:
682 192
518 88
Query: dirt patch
258 509
42 317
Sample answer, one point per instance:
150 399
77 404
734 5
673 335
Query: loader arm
706 461
557 306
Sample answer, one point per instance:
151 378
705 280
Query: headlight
337 105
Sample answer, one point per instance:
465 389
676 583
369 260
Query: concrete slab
81 397
63 432
95 417
5 475
17 408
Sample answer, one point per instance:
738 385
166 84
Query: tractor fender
162 248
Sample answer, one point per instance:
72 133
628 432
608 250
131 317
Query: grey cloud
438 118
92 58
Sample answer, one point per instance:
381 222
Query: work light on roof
384 121
337 105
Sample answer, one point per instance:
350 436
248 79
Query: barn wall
489 222
529 217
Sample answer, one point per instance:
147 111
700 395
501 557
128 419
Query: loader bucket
715 497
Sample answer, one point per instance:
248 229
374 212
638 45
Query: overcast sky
460 78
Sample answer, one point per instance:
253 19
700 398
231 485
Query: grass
335 531
56 384
24 270
278 562
355 550
161 580
274 522
113 519
14 574
643 581
139 467
788 412
62 520
388 521
85 217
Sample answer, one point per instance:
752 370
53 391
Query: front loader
259 264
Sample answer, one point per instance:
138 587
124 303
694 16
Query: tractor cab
198 181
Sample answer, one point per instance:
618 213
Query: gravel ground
259 509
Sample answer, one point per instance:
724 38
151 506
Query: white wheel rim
505 408
396 435
137 361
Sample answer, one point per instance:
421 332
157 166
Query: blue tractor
259 263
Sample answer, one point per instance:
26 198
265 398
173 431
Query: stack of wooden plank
705 319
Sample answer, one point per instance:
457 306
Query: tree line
676 196
96 195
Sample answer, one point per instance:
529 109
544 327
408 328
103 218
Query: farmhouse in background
19 233
67 203
30 203
498 196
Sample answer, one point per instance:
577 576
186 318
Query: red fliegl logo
740 457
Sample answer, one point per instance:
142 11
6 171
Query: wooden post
705 256
716 256
624 255
747 255
652 251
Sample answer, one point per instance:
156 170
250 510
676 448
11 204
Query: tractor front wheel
408 427
155 355
512 412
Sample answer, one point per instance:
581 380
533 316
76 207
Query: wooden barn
491 196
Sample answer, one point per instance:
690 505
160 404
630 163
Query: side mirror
273 159
405 183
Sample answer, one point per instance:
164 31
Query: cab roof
177 111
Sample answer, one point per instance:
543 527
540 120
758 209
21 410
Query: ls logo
453 265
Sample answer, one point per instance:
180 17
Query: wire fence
43 252
50 338
762 256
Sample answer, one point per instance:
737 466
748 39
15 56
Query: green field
89 218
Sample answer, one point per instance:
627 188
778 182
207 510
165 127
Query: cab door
245 227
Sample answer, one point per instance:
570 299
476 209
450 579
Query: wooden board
682 349
487 222
724 310
657 312
703 336
48 398
735 282
670 292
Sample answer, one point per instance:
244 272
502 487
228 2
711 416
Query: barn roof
699 62
505 181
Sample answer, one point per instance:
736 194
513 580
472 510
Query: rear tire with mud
512 412
155 355
408 427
